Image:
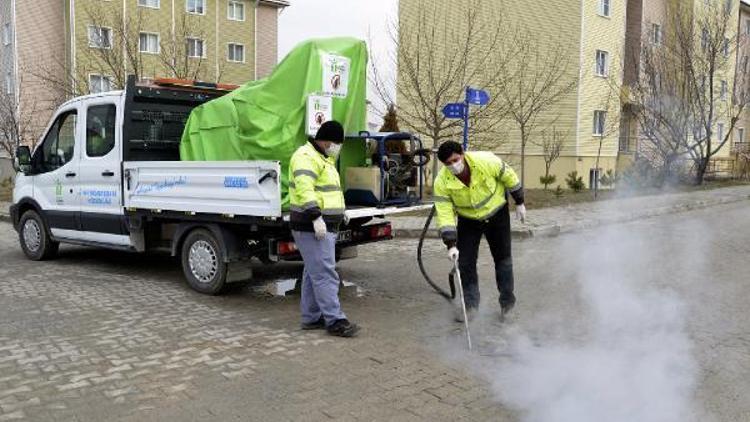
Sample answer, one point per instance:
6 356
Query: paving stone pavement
103 335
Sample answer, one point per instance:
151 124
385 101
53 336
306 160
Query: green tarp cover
265 119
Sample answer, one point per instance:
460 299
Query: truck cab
73 179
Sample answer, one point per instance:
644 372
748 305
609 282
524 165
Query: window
704 38
602 65
656 34
604 7
99 83
741 135
236 53
600 119
197 7
195 47
720 131
148 43
236 11
100 37
747 27
724 89
726 47
6 34
744 64
154 4
58 146
100 130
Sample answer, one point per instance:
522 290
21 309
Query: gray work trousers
320 281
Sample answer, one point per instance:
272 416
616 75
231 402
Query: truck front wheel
203 263
34 237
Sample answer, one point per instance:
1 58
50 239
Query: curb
555 229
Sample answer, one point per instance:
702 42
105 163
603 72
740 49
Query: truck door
55 164
102 216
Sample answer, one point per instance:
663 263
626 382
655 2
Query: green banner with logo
269 119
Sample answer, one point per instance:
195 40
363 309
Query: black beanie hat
330 131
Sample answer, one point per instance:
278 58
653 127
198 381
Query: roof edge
276 3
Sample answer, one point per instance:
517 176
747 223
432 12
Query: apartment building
71 47
592 32
650 23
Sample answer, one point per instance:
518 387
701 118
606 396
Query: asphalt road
643 321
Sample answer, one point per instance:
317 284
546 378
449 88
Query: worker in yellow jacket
470 196
317 210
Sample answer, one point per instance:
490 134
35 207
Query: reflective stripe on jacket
314 189
485 195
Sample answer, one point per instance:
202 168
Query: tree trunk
596 169
523 156
701 170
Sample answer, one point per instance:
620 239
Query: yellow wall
596 92
213 26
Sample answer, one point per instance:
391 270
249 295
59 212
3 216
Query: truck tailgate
248 188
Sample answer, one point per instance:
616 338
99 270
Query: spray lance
455 275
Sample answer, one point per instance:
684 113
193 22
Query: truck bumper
286 250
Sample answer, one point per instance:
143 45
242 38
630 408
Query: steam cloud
621 355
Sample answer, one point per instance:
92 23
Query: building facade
592 33
72 47
604 40
651 24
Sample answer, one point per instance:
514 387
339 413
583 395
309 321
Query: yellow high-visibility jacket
314 189
490 178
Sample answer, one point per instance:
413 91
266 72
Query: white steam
619 353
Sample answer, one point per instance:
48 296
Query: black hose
448 296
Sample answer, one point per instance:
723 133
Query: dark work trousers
496 230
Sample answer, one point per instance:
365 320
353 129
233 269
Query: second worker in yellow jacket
471 198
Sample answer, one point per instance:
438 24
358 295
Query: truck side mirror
23 159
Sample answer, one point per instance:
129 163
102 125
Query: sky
364 19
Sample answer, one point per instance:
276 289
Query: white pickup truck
107 173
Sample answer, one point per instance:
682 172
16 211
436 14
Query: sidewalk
553 221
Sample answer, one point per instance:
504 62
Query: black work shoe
343 328
505 308
317 325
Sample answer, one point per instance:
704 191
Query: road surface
650 315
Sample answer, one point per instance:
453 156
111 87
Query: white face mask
333 150
457 168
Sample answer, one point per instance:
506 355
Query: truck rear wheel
34 237
203 263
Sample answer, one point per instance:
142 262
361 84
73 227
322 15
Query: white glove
453 254
320 228
521 212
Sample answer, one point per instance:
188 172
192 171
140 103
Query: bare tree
175 52
660 106
17 123
610 125
438 55
689 96
540 78
551 144
116 54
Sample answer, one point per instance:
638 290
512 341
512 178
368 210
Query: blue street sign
454 111
477 96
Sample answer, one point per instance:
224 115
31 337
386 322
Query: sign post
461 110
